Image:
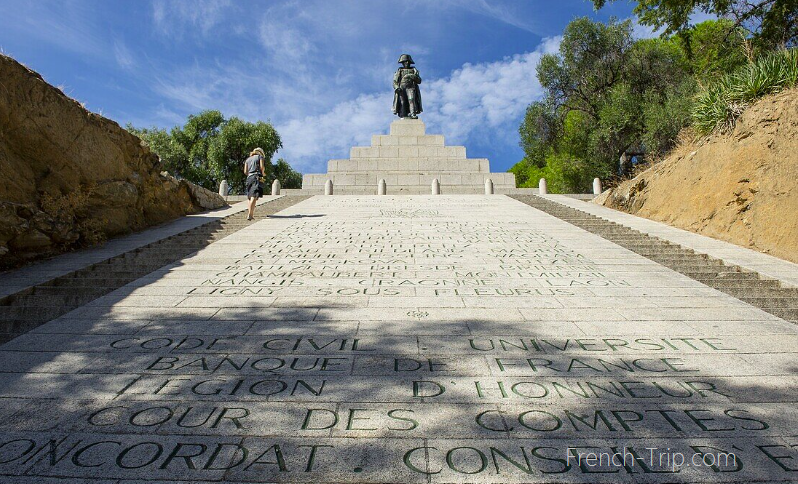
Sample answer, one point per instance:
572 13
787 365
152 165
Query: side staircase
766 294
39 304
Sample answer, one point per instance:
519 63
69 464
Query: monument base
409 160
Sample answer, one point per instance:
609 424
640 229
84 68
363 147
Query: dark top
253 165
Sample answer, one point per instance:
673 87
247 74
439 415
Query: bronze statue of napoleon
407 96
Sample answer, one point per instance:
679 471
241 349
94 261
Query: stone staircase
766 294
39 304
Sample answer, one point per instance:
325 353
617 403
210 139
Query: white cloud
123 55
279 35
494 10
235 91
476 101
173 17
66 25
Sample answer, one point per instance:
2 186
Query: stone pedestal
409 160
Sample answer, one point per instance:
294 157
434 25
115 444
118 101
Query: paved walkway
405 339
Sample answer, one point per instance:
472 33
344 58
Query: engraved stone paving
405 339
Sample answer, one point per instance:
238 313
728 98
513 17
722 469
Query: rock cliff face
740 187
71 178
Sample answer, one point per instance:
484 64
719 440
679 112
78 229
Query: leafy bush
562 173
720 104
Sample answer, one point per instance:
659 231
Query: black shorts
254 189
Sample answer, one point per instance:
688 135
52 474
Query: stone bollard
488 187
543 189
223 188
596 186
436 187
381 188
328 188
276 187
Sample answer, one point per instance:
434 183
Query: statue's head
406 60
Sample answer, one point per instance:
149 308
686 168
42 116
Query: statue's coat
401 105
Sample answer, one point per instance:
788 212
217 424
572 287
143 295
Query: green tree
770 23
289 178
538 132
711 50
210 148
598 92
607 95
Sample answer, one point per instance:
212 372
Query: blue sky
319 70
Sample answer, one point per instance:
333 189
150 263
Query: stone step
672 256
183 246
636 241
673 263
704 271
655 247
34 301
67 290
394 140
756 293
726 276
25 313
148 265
633 237
697 263
643 244
406 164
120 269
739 284
723 276
107 282
772 302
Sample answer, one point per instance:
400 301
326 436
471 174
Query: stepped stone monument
409 159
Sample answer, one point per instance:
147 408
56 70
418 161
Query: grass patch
720 104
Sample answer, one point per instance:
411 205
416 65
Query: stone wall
72 178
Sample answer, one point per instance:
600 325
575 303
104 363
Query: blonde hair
258 151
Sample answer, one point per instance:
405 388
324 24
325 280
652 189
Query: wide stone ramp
405 339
